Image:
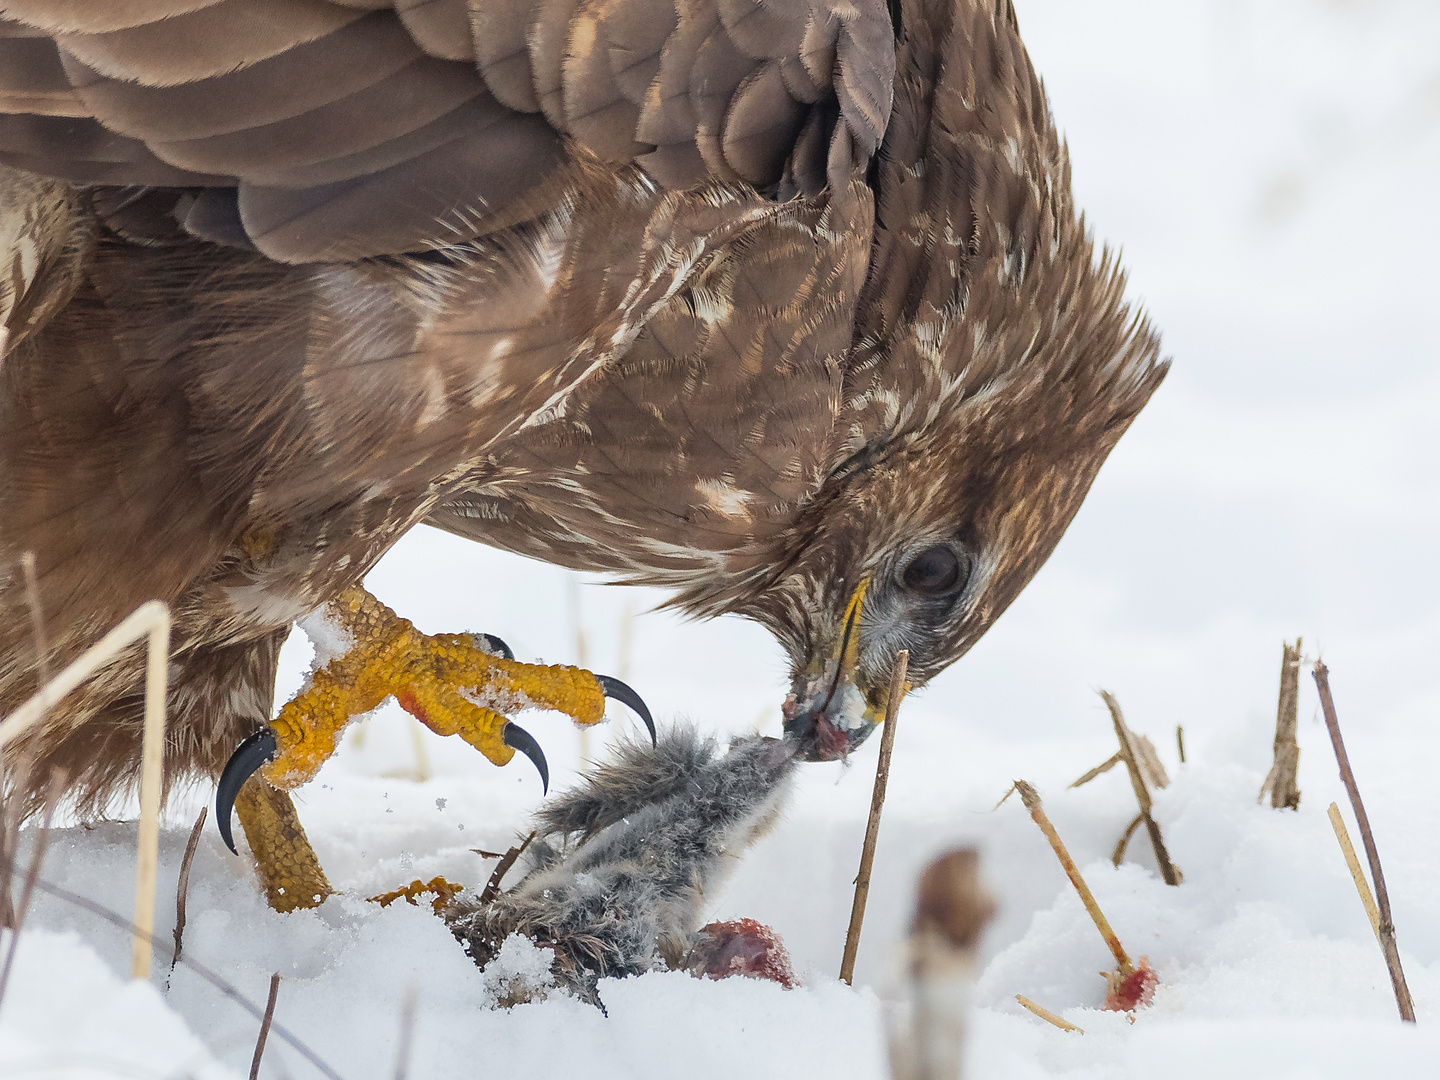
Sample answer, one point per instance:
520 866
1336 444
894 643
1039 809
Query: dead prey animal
621 868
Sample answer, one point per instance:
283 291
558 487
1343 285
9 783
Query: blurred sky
1269 171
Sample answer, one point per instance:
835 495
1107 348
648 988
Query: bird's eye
934 571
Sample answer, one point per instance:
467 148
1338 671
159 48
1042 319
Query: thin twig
37 617
42 841
1168 873
1382 897
265 1026
1031 799
492 887
227 988
1099 770
408 1000
1180 742
872 826
1118 855
1048 1016
1367 899
182 889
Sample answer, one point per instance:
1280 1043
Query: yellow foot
292 875
444 891
454 684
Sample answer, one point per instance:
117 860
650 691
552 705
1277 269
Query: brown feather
306 77
215 40
276 154
499 29
761 126
88 17
440 27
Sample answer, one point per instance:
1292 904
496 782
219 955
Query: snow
1267 168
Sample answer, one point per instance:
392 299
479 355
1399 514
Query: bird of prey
783 305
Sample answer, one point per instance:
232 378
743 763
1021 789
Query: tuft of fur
620 868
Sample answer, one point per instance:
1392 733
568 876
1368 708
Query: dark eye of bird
934 571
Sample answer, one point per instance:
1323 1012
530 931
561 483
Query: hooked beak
829 713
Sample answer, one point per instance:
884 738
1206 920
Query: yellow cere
430 676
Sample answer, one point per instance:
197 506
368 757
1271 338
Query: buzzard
781 304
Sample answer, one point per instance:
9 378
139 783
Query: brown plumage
753 299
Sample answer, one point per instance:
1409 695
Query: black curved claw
517 738
614 688
247 759
495 646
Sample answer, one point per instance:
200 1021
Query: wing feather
415 202
92 17
215 40
440 27
280 153
298 104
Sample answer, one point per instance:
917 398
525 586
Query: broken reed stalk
265 1026
492 887
182 888
1031 799
952 908
1099 770
1048 1016
872 825
1367 899
151 620
9 840
37 617
408 1000
1382 897
42 841
1118 855
1142 792
1280 781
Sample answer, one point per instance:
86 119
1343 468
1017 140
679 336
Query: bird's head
922 543
995 364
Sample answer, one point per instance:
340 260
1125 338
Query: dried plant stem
182 889
492 887
32 874
872 825
422 756
1382 897
951 910
37 617
1142 793
1180 742
1048 1016
1031 799
1118 855
408 1000
1280 782
1099 770
1367 900
265 1025
9 843
151 620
